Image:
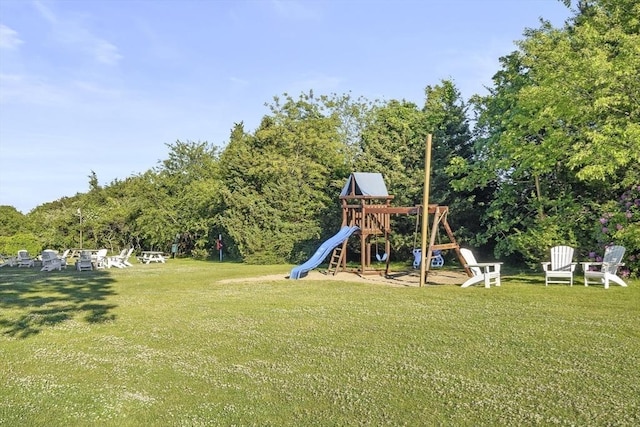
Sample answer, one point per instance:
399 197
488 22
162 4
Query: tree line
551 155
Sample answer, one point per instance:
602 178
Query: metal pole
80 213
425 211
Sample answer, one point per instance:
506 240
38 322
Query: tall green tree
558 135
446 116
11 220
17 232
394 144
280 181
180 201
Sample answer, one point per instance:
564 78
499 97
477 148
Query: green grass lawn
168 345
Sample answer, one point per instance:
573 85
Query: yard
192 343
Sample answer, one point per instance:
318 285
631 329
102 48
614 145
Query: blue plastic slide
322 252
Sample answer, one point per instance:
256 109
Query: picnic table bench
147 257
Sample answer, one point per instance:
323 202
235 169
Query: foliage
16 232
585 92
190 180
559 132
10 245
178 198
173 344
11 221
394 143
556 138
280 181
446 119
57 224
620 225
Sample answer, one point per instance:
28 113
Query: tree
586 94
394 144
558 134
16 232
278 181
180 198
446 118
11 220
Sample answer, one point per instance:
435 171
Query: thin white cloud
76 35
158 43
22 89
46 13
105 52
9 38
238 82
96 91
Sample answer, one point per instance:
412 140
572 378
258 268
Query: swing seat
382 257
417 257
437 260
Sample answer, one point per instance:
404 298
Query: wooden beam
445 246
395 210
425 202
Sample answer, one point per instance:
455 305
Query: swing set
434 252
367 205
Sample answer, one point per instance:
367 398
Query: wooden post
425 210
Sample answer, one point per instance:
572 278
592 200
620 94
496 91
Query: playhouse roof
365 184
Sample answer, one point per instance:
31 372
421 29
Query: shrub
10 245
620 225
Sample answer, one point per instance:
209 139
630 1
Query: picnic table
151 256
75 252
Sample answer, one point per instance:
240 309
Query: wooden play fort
367 205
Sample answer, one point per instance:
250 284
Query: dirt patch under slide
411 278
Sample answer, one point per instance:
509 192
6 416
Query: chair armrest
545 266
607 265
486 266
586 266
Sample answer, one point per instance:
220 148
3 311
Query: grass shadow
31 300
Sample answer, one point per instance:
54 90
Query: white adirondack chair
24 259
101 260
561 267
50 260
125 261
606 271
84 262
63 258
487 272
118 260
8 261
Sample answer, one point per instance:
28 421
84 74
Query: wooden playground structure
367 205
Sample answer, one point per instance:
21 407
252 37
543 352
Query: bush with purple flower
620 224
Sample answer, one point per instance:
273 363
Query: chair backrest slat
471 260
612 258
561 258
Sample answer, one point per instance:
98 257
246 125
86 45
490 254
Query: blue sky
104 85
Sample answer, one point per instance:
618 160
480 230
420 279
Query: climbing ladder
337 258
